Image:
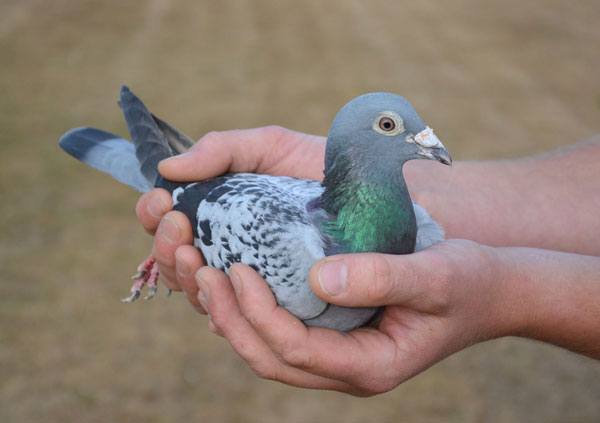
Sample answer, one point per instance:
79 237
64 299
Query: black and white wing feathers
261 221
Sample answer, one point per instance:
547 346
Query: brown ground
495 80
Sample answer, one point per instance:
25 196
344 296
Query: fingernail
204 290
332 277
169 230
182 268
236 281
156 207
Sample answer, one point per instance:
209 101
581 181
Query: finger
226 319
272 149
418 280
214 329
217 153
363 358
187 261
151 207
173 231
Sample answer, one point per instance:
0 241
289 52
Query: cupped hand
270 150
439 301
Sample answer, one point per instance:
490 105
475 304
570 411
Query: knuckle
262 366
217 318
169 283
214 329
275 134
440 285
439 301
212 136
262 370
381 284
361 393
141 206
194 303
274 131
375 386
296 357
167 276
164 254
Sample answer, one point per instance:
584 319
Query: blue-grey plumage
278 225
106 152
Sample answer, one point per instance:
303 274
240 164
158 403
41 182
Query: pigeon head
381 130
365 193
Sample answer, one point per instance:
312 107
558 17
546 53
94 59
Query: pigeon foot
147 273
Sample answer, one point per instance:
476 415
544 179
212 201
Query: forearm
550 296
549 201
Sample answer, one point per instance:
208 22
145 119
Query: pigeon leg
147 274
152 281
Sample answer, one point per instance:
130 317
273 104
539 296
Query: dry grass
495 80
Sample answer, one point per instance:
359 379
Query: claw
139 275
134 296
147 274
152 293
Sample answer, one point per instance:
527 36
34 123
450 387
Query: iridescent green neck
371 210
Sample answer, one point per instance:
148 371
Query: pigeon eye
387 124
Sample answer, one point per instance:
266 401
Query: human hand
439 301
271 150
457 292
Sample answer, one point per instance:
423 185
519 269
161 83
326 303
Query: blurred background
495 80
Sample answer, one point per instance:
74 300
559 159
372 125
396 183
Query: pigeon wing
429 231
261 221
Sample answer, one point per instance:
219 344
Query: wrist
480 294
495 298
513 292
552 297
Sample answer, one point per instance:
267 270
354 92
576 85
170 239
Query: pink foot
147 274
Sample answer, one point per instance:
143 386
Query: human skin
504 280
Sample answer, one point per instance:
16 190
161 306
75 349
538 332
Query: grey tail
133 164
178 141
151 145
106 152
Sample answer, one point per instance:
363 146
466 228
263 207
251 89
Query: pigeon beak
441 155
430 147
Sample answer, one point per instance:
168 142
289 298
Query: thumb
370 279
239 150
204 160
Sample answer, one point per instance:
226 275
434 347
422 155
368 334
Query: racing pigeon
279 225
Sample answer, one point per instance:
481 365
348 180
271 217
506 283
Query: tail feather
151 145
178 141
133 164
106 152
